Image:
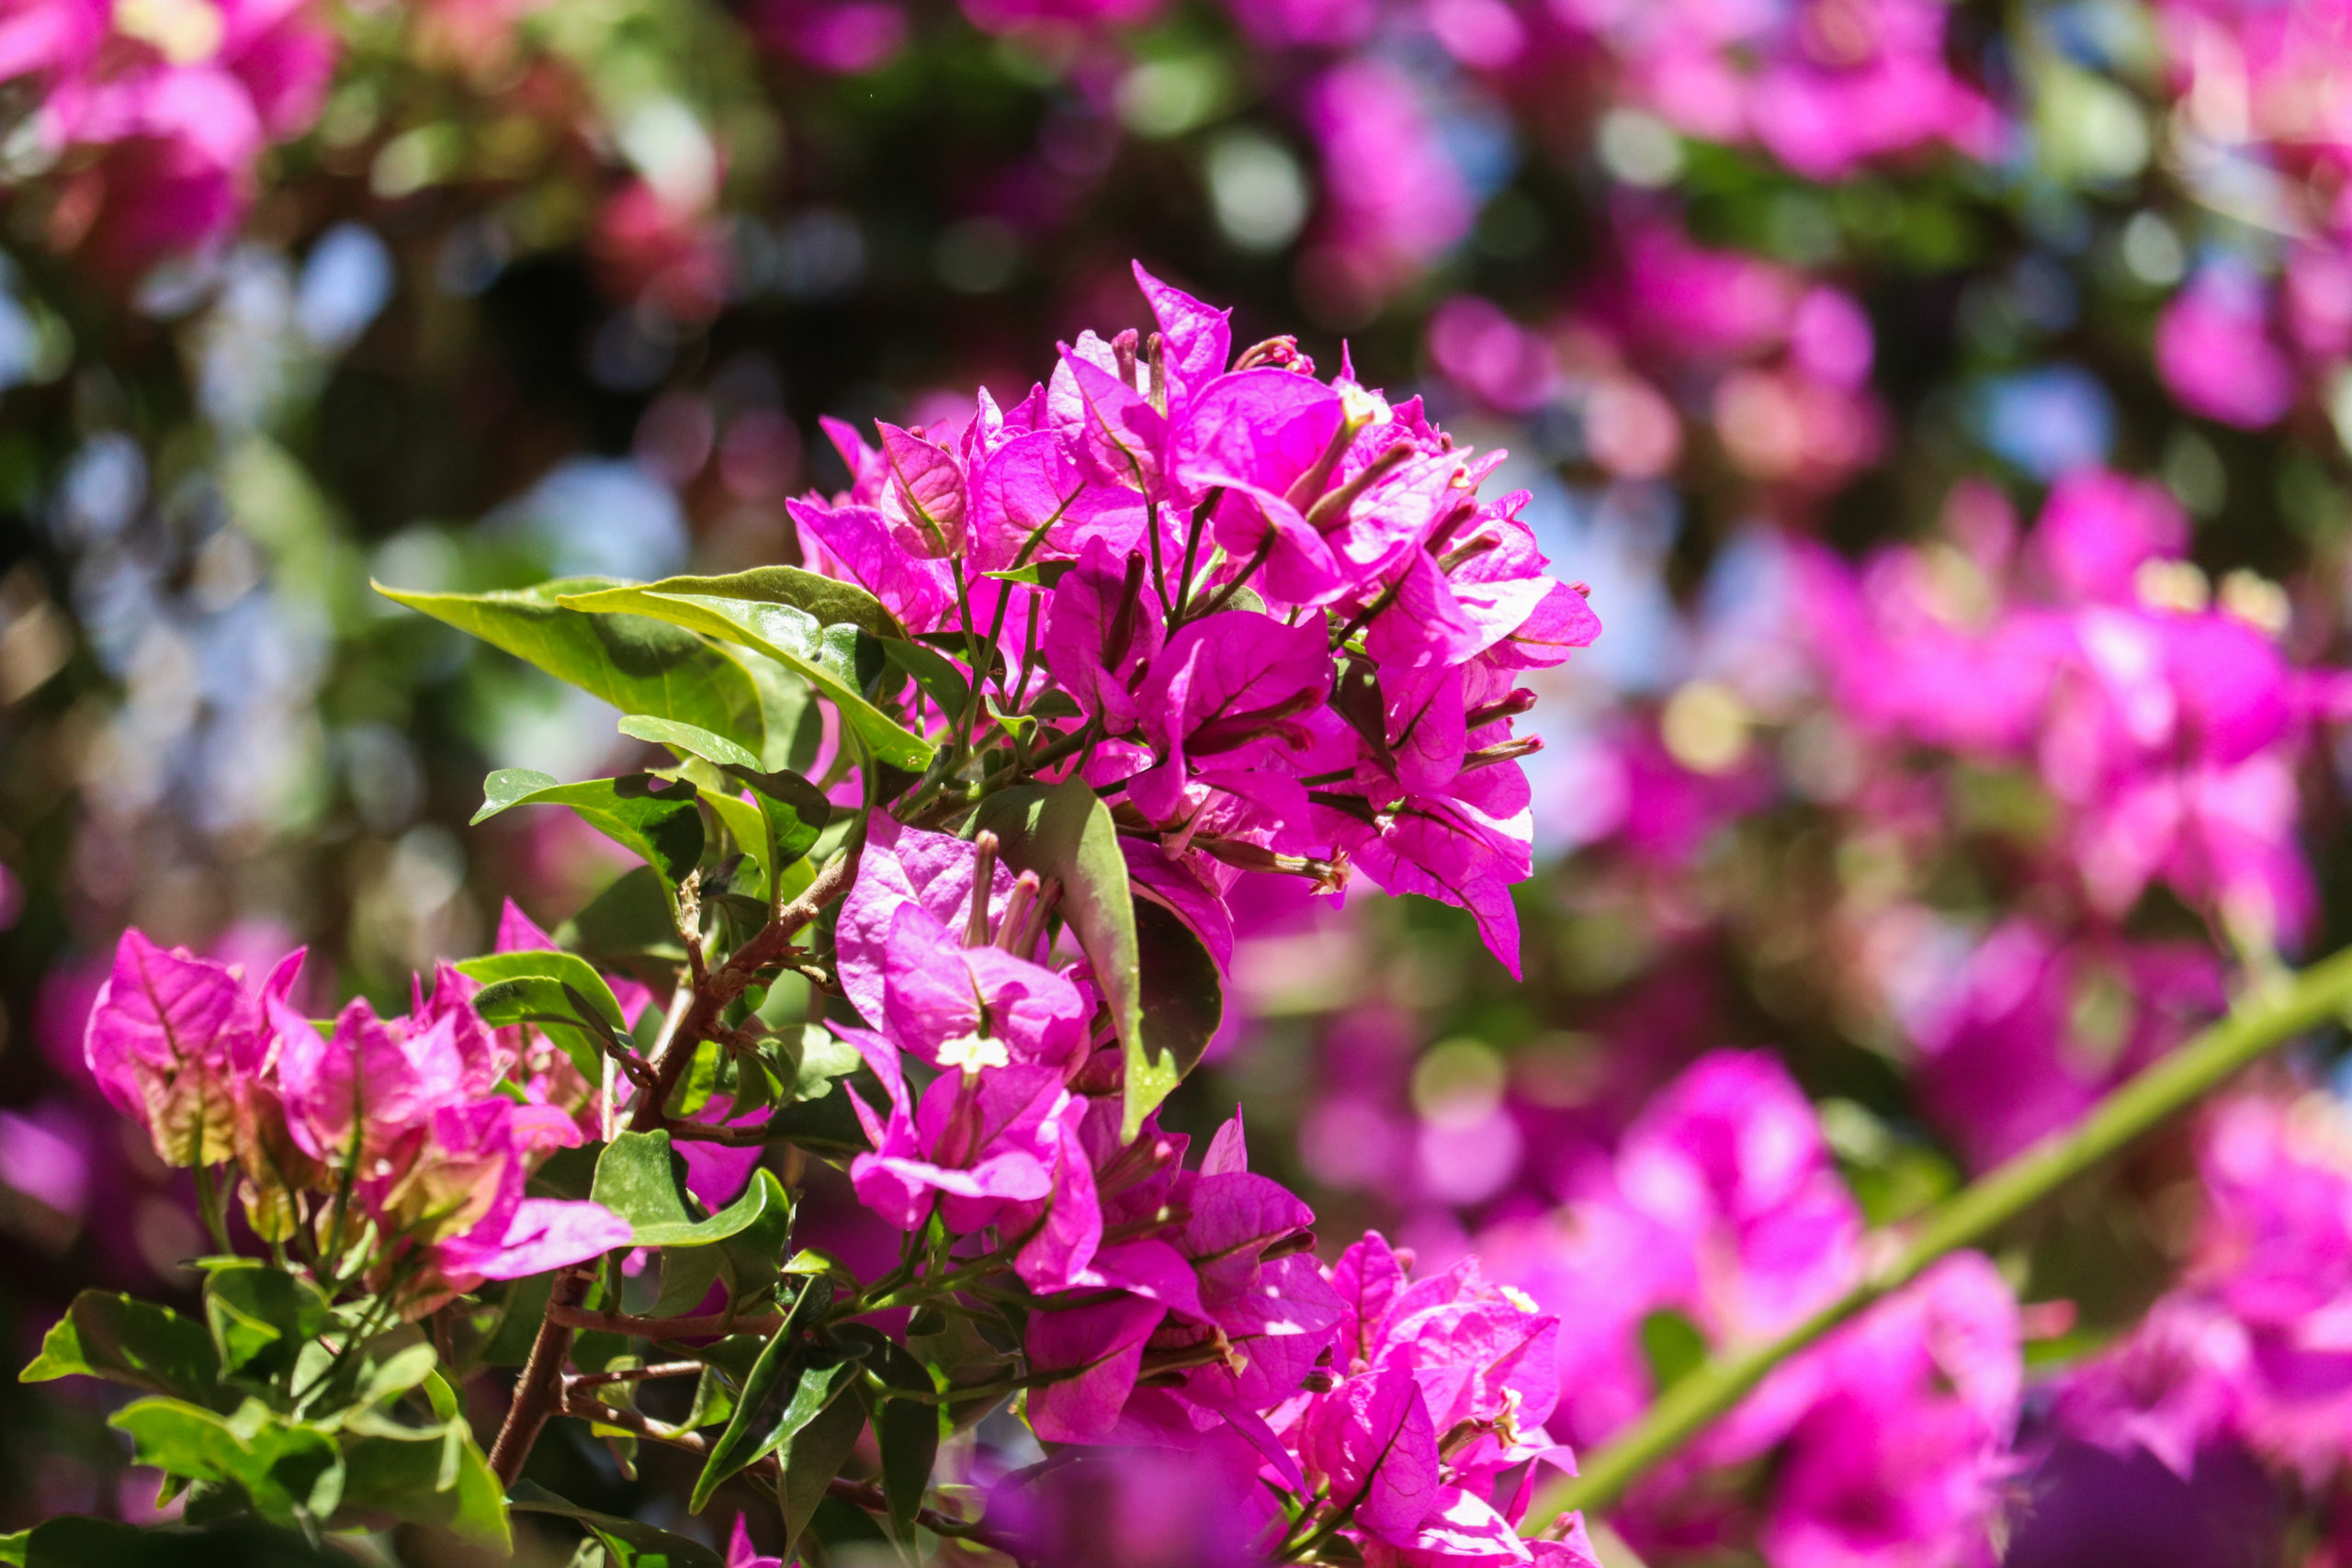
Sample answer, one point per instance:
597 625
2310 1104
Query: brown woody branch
538 1392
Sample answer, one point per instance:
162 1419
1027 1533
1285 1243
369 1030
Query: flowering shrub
1176 615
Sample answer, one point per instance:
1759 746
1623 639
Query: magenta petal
158 1010
926 493
1228 1151
1195 341
1107 1341
541 1234
741 1553
1370 1439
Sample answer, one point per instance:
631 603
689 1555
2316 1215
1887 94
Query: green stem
2278 1012
209 1190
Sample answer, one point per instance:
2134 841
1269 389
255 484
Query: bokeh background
1755 291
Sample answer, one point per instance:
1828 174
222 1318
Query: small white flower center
1362 406
973 1052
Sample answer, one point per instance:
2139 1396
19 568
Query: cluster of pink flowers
1722 1208
1181 1305
2259 87
158 112
1826 86
2248 1349
397 1124
1775 365
1287 628
2167 720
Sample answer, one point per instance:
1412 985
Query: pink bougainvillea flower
2215 353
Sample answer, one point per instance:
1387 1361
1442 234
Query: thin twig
577 1380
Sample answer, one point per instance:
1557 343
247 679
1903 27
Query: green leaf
662 828
804 1378
750 1259
431 1475
688 1275
547 1002
828 600
826 1126
813 1457
744 824
261 1317
933 671
638 665
630 918
642 1178
1037 573
726 1363
1673 1346
1065 832
568 989
289 1473
792 635
821 1058
1183 992
795 813
689 738
129 1341
794 719
906 1431
566 968
396 1374
529 1496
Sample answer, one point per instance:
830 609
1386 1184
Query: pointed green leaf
688 737
1065 832
1182 989
790 635
431 1475
642 1178
261 1317
933 671
129 1341
793 814
287 1471
688 1275
546 1002
813 1458
828 600
636 664
566 968
906 1431
749 1259
1037 573
660 826
785 1389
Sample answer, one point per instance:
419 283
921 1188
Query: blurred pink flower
159 111
2216 356
1394 202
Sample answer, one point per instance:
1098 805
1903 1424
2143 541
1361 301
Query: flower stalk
2282 1009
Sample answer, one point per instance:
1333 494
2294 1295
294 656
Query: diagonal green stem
2276 1013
